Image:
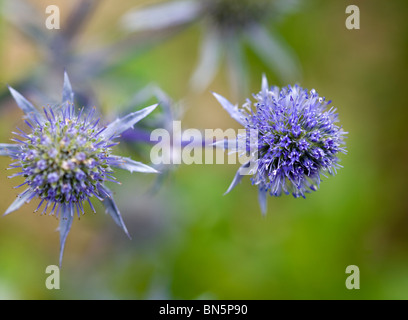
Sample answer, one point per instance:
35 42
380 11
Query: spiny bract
66 158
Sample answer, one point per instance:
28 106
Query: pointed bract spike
237 179
163 97
71 209
104 193
133 166
120 125
33 194
230 108
26 105
6 149
226 144
64 228
113 210
21 199
262 200
67 93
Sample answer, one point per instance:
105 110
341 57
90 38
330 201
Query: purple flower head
45 140
52 177
303 145
37 181
41 164
52 153
81 141
80 175
306 139
284 142
80 156
66 158
296 130
315 136
66 189
68 165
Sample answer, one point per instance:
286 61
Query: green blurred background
190 241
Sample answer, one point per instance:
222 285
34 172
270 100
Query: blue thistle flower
66 158
298 140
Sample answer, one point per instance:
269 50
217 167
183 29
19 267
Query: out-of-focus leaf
161 16
275 53
210 55
237 68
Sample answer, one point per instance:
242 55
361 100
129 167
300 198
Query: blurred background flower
86 57
56 49
228 25
188 241
137 139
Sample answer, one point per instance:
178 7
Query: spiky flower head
66 158
298 139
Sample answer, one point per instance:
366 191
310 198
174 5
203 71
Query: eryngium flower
298 139
66 158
